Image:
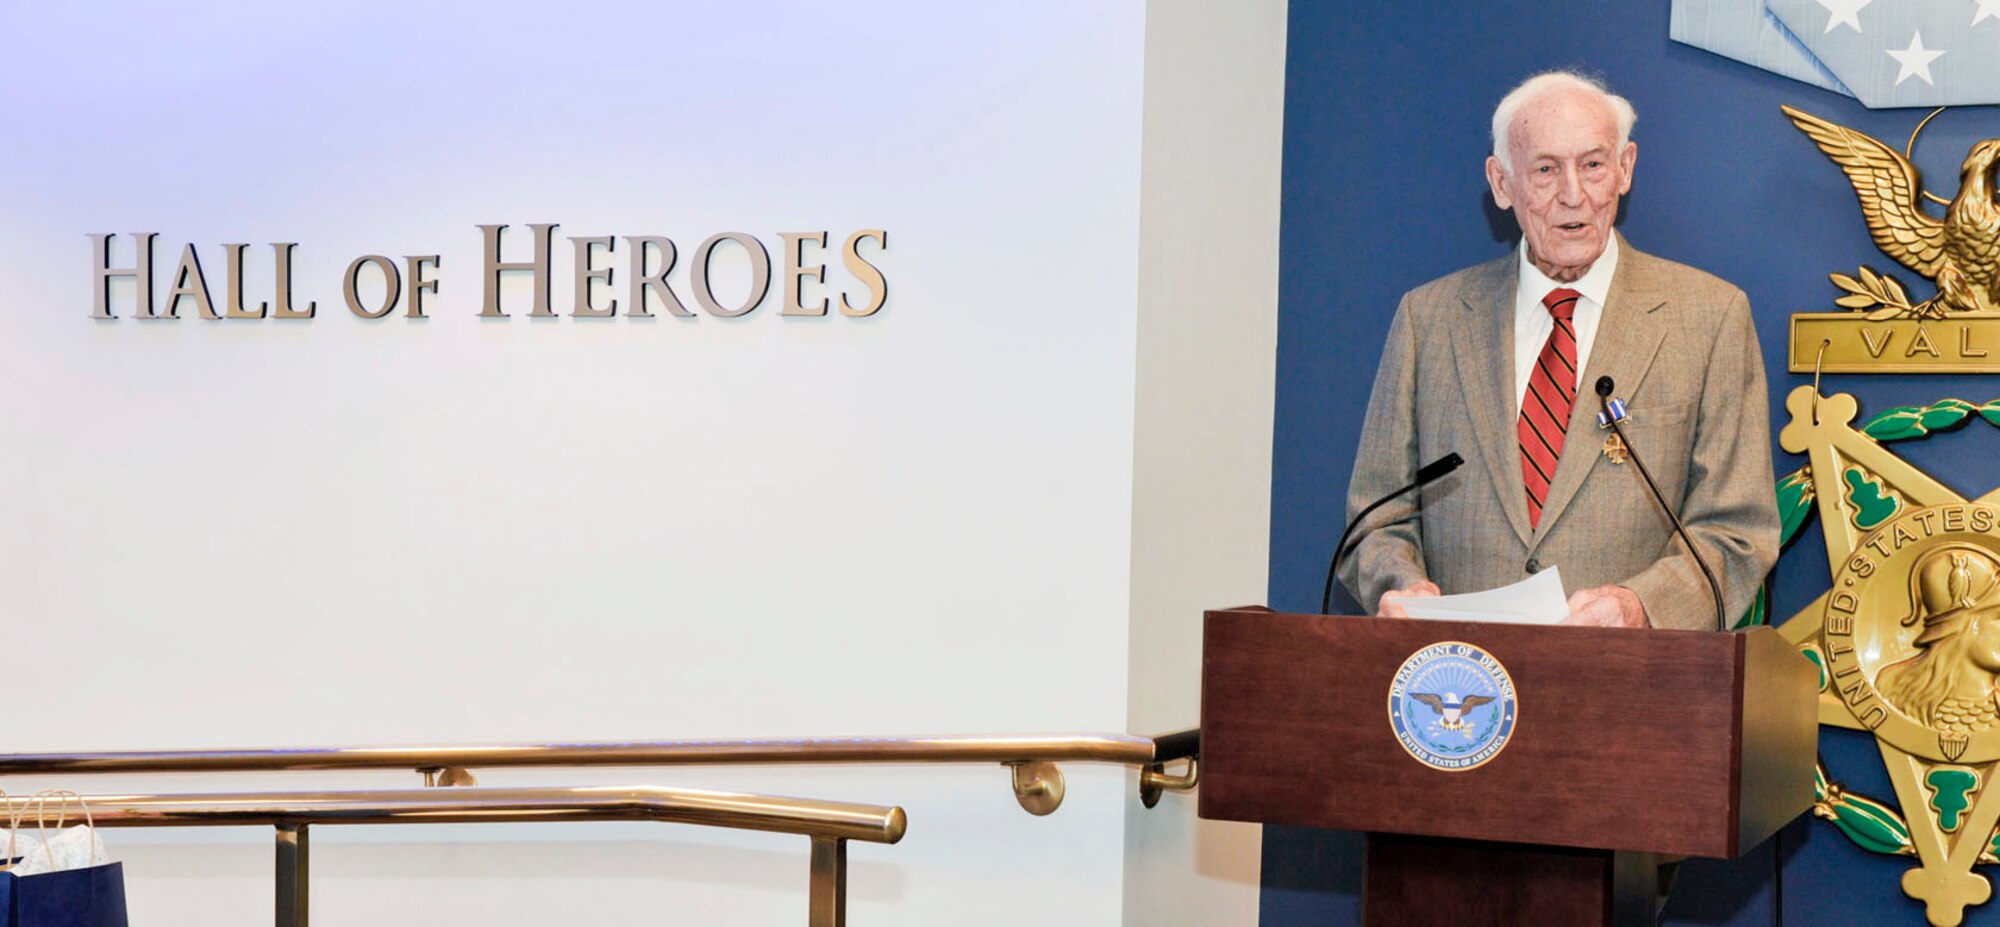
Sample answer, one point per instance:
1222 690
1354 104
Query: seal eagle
1450 707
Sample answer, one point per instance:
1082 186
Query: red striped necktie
1546 404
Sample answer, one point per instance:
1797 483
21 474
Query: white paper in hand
1538 599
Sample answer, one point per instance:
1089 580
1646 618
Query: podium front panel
1622 739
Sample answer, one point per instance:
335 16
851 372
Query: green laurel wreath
1871 825
1902 423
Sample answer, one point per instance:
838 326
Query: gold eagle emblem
1961 252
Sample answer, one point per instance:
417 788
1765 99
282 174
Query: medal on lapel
1614 449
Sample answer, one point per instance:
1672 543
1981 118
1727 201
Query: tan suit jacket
1680 345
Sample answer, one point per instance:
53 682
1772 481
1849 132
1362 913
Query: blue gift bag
90 897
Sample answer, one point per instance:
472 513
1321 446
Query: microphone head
1603 386
1439 467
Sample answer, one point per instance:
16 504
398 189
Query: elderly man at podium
1504 362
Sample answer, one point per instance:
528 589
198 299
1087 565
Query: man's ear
1627 160
1496 177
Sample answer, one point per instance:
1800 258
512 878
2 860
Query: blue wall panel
1386 125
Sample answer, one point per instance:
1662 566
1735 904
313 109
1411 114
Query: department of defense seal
1452 706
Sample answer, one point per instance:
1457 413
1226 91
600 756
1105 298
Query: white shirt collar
1595 284
1532 322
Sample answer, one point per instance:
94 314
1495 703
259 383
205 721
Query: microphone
1714 589
1425 474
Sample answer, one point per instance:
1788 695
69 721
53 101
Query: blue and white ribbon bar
1618 414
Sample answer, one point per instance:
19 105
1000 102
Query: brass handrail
807 817
829 824
1037 782
1031 760
1085 748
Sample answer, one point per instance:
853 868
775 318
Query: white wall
341 531
940 518
1208 334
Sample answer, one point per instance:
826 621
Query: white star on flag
1951 45
1845 12
1915 60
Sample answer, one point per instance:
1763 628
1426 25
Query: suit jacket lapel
1483 348
1628 336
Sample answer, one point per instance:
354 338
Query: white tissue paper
70 848
25 843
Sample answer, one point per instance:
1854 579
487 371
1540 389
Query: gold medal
1614 449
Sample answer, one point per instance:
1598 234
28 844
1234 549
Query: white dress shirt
1532 322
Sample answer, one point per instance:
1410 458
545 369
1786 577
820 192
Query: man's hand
1390 608
1606 607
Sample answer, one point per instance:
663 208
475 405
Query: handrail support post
829 883
1154 780
294 877
1038 785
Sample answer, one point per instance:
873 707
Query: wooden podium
1628 746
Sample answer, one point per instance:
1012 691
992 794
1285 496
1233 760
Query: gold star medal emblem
1907 638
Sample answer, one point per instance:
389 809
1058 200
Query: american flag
1885 53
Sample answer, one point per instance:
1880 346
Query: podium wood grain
1680 743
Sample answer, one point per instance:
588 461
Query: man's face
1569 172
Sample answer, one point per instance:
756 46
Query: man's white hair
1503 115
